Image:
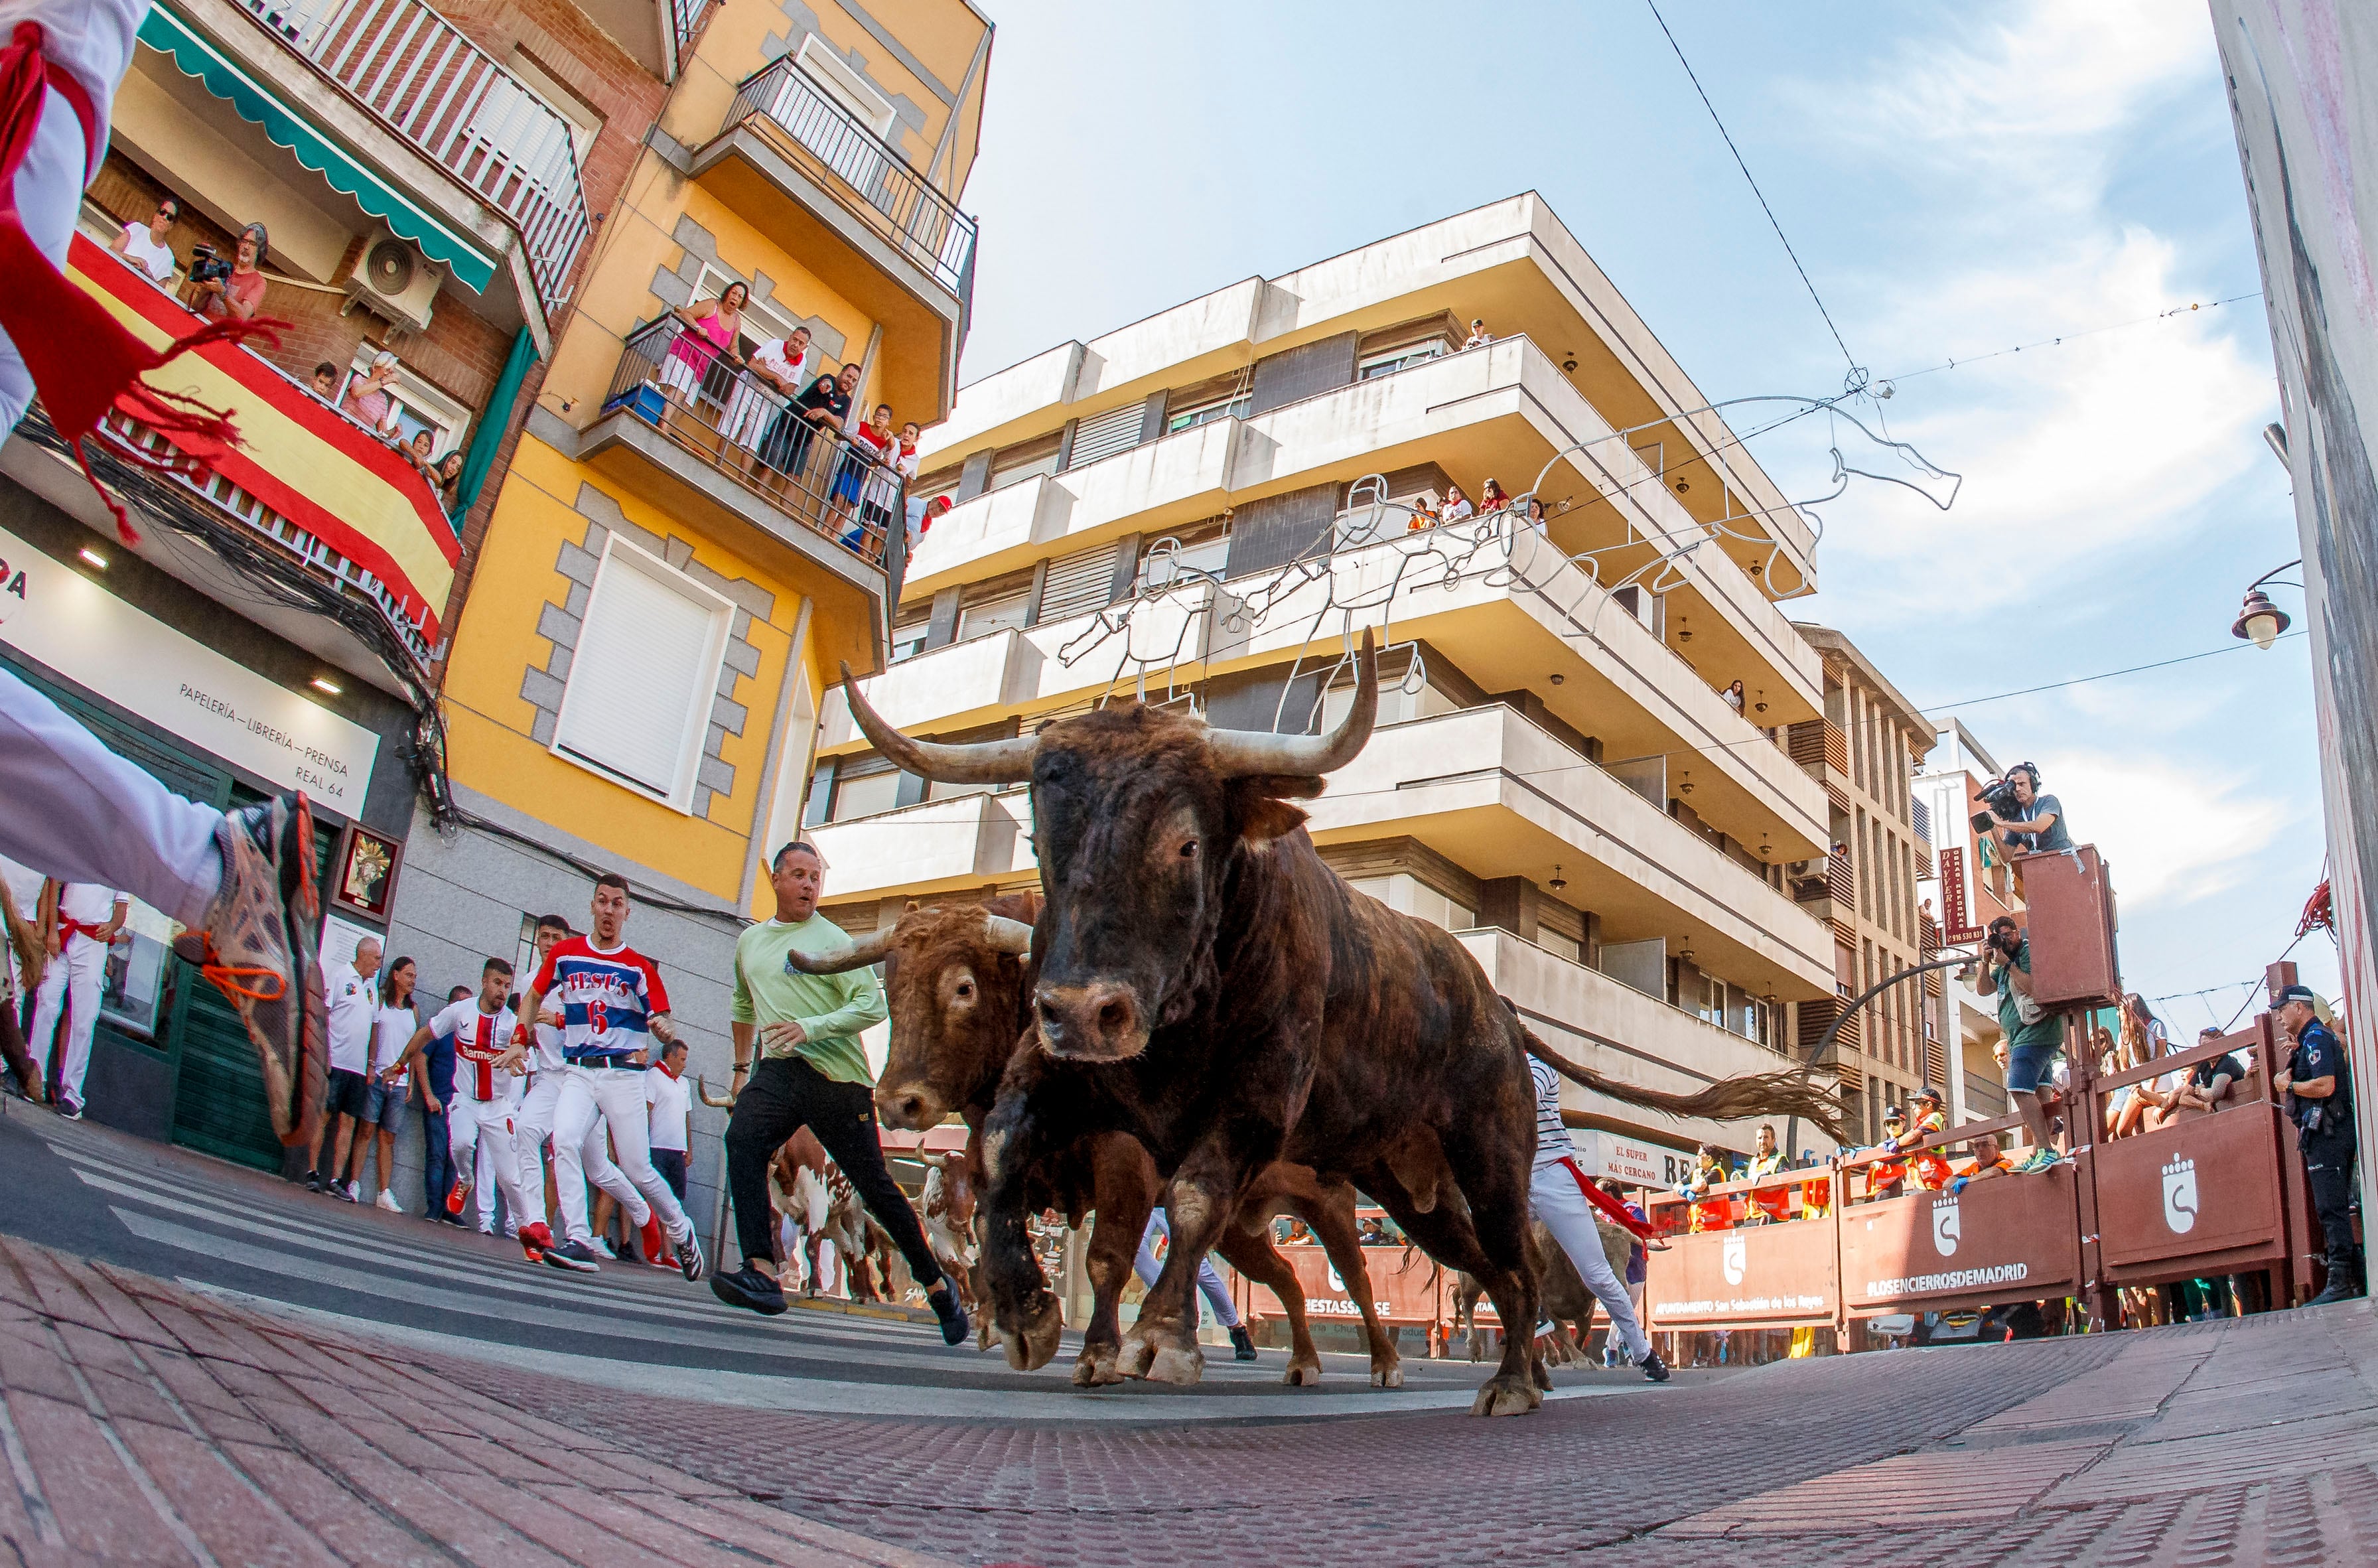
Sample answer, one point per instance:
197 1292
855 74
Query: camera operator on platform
2034 1036
2040 829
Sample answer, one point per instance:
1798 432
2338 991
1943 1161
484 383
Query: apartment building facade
1865 753
1204 507
431 181
1976 885
675 561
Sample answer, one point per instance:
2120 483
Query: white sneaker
603 1246
388 1202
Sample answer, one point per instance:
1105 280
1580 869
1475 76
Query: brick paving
144 1421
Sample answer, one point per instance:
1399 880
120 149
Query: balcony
794 162
686 425
309 485
418 77
930 848
1617 1030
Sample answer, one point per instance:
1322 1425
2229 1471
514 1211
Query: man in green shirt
813 1073
2034 1036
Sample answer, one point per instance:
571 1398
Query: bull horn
1011 937
868 950
715 1102
982 762
1240 753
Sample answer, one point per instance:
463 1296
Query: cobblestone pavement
151 1414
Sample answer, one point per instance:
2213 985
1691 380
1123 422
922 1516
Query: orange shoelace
229 979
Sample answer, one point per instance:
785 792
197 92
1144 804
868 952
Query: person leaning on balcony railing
709 337
368 399
1492 498
324 383
448 480
878 441
824 407
1457 505
238 295
143 245
759 424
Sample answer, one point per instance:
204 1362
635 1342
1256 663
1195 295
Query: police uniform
2325 1131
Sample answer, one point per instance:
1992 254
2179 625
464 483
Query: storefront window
133 994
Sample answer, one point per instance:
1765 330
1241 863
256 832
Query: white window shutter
638 700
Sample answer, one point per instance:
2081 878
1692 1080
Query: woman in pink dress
706 340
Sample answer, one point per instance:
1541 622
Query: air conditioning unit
394 281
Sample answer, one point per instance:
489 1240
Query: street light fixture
2259 621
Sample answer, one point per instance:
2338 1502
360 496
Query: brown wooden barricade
1766 1273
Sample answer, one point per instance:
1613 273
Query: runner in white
69 807
79 921
479 1117
1556 1194
613 1005
533 1125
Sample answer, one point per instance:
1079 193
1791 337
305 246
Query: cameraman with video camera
2038 829
2034 1037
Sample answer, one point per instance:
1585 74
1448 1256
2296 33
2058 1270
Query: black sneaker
313 1181
572 1255
748 1288
1655 1369
944 1302
1243 1344
689 1257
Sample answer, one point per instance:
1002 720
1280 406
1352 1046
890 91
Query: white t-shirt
545 1053
155 258
392 1031
771 356
671 1105
354 1004
462 1022
85 901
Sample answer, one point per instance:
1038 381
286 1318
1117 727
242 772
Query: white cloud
2172 833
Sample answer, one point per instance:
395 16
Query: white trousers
72 809
1209 1280
473 1125
589 1097
1556 1194
49 193
70 982
533 1124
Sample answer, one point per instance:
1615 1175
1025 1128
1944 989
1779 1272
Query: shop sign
1606 1155
57 616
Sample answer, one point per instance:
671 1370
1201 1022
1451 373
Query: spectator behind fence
708 339
232 291
324 384
778 365
2209 1083
879 446
1988 1161
368 399
1888 1178
143 245
1479 336
823 407
1709 1170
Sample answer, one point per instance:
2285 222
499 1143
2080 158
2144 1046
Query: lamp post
2259 621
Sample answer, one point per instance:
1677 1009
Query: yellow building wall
490 746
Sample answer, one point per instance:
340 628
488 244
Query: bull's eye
965 990
1188 849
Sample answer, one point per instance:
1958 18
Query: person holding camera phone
2040 829
2034 1037
2318 1088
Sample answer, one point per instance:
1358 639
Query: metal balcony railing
710 406
787 104
685 26
420 76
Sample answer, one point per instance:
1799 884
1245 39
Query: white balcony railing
419 74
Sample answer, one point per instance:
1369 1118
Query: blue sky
1955 184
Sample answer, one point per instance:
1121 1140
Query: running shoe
603 1249
1655 1369
458 1196
1243 1344
388 1201
955 1326
256 945
574 1255
313 1181
69 1107
748 1288
350 1192
688 1254
487 1230
2039 1159
655 1244
535 1240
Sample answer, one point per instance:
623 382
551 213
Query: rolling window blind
1116 430
1078 583
641 678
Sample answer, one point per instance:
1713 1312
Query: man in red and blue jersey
613 1005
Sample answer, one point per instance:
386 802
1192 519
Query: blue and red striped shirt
607 999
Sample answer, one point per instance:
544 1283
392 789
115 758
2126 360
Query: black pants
670 1163
2328 1162
437 1161
786 1094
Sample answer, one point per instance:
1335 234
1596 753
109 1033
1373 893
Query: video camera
206 266
1998 795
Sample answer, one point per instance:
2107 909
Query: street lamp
2259 621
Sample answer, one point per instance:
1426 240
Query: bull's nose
1097 1020
903 1108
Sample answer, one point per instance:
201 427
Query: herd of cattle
1195 1009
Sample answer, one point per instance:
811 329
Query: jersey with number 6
606 999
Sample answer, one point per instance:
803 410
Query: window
1406 894
993 615
1395 359
1026 459
844 85
419 406
641 681
1551 941
1231 407
1185 553
1078 583
1396 704
865 794
584 123
908 637
1106 434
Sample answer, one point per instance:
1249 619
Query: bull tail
1796 1092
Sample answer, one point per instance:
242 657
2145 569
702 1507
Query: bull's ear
1258 811
913 906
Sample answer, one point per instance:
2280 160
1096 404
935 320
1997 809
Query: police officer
2320 1097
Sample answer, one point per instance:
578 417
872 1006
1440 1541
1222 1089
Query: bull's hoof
1387 1374
1161 1354
1172 1365
1303 1372
1506 1394
1542 1373
1097 1367
1030 1345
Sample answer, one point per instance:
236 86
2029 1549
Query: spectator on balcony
708 339
1457 505
781 364
368 399
238 295
860 449
1479 336
450 484
324 384
1538 518
922 515
1492 498
1732 695
823 407
882 492
1423 513
143 245
417 452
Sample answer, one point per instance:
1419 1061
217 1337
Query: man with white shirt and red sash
480 1111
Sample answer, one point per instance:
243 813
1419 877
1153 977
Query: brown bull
1209 986
957 983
